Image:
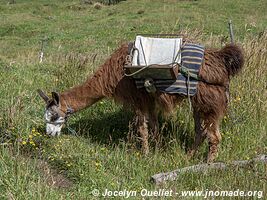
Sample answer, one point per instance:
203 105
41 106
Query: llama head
55 117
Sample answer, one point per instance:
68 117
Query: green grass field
77 38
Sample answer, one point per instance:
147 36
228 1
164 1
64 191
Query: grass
78 38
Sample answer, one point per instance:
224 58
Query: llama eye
54 117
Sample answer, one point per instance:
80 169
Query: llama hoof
211 158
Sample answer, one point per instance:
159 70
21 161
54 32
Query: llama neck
102 84
80 97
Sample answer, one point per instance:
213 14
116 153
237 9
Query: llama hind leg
154 126
200 133
214 138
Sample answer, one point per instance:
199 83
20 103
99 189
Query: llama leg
214 138
143 130
154 126
200 133
133 129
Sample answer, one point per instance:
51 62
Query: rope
189 101
187 73
138 71
73 132
145 67
69 111
188 91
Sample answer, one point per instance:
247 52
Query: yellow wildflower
32 143
97 164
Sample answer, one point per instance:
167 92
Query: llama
209 103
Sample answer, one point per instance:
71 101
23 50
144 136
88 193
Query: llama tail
233 58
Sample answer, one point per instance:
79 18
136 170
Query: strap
187 73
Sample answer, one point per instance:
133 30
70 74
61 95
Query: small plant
33 142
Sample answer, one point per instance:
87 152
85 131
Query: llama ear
43 95
55 97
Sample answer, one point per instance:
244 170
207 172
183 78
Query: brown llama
209 104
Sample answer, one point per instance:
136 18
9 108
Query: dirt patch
52 177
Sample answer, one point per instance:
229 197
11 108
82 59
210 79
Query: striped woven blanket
186 82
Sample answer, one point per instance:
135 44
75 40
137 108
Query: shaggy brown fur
209 103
